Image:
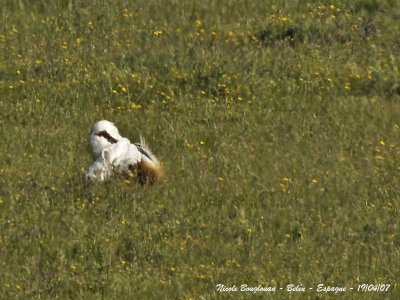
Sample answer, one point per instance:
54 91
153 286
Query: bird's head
104 133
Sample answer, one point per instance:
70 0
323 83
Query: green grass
278 123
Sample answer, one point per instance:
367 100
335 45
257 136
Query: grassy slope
282 154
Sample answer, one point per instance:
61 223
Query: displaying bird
116 155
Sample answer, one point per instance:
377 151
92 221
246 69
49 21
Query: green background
277 122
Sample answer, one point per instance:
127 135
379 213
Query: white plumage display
116 155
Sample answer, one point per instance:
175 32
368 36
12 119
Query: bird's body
115 154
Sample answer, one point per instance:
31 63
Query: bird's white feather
152 159
98 143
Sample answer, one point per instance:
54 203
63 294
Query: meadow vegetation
277 122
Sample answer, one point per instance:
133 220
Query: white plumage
115 154
98 143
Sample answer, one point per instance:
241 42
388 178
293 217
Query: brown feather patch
147 173
107 136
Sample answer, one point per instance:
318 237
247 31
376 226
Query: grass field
278 123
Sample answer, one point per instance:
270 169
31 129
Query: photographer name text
298 288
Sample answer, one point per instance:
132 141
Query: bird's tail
145 150
151 168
